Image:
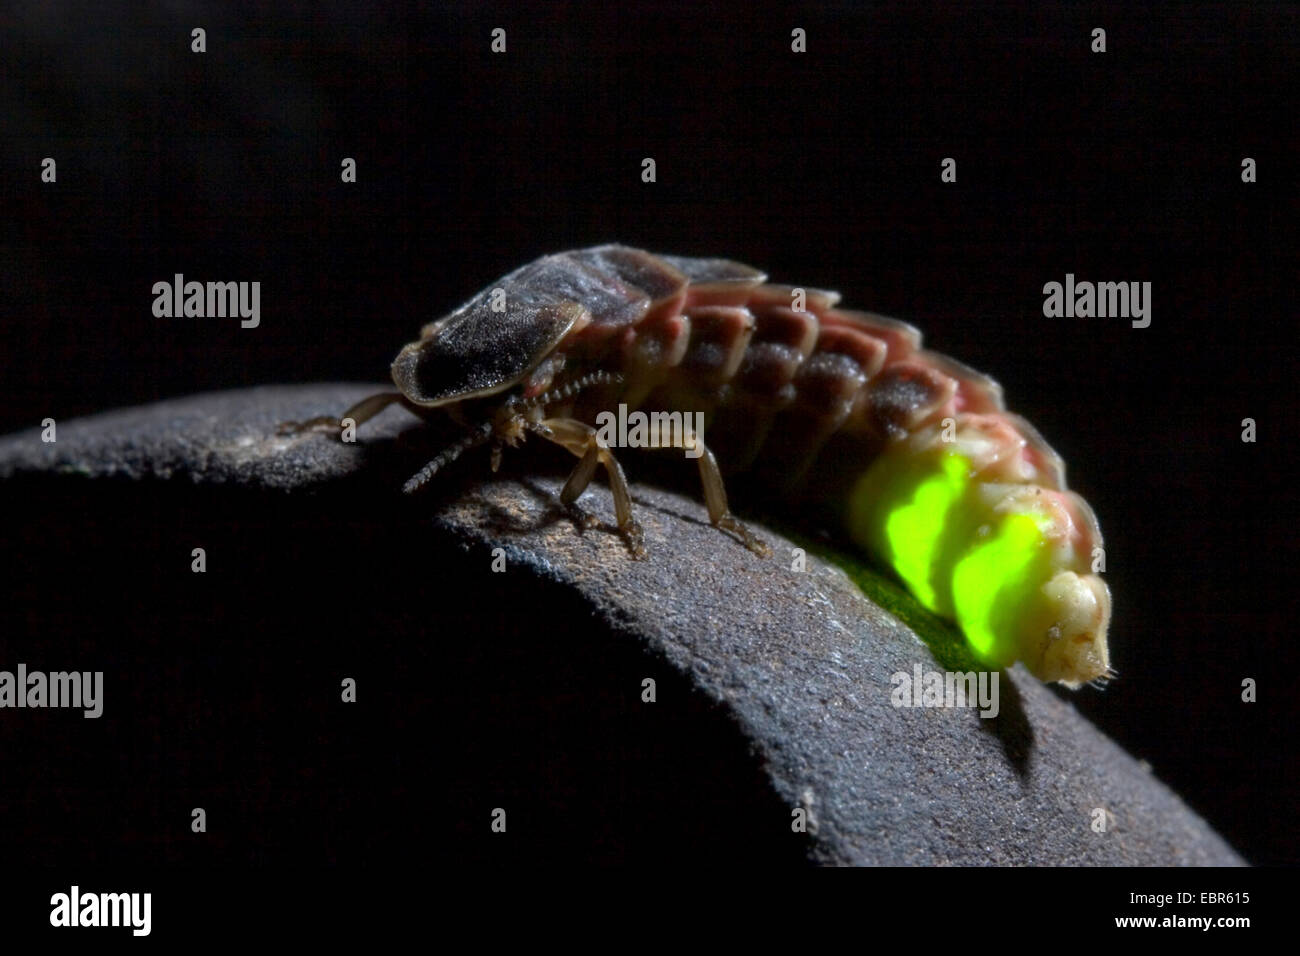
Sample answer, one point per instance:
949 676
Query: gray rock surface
798 662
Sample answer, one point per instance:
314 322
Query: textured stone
787 671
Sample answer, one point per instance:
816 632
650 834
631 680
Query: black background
822 168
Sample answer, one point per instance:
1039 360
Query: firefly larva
931 475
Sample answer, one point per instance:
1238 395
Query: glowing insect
916 452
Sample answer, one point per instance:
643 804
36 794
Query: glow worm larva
961 499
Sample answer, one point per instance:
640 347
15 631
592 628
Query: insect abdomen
775 383
964 500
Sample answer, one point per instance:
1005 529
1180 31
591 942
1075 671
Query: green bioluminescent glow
914 531
997 577
959 559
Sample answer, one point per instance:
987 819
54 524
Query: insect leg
362 411
715 493
581 476
580 439
577 483
715 497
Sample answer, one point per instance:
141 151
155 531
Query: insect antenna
572 388
446 457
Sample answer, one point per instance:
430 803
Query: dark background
822 168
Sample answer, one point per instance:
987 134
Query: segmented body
927 468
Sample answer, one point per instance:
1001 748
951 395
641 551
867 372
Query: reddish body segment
708 334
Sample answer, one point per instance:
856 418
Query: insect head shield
479 350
